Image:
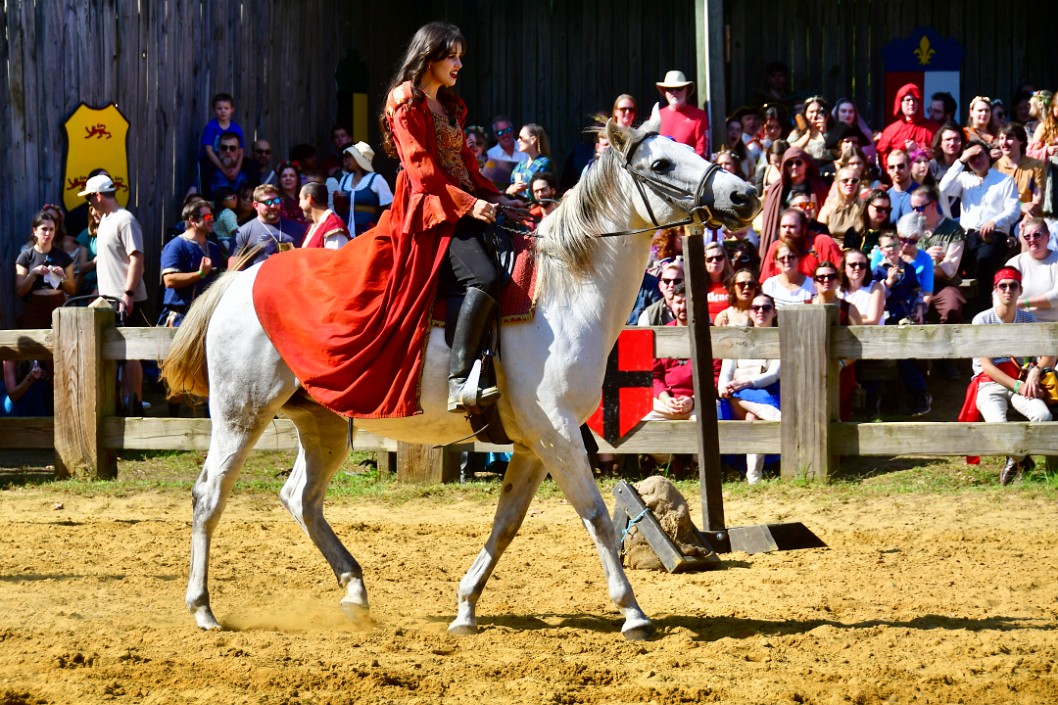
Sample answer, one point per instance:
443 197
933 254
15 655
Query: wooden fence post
809 390
428 465
84 393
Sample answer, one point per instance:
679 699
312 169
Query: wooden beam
27 433
808 385
428 465
137 343
25 344
84 393
941 439
936 342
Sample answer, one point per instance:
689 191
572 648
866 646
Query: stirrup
466 395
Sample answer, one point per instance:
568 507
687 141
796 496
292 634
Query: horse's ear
617 135
653 123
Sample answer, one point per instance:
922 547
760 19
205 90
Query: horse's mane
567 237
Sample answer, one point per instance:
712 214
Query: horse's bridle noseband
671 193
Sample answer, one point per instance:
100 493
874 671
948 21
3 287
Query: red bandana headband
1006 273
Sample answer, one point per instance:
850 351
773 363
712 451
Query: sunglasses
922 208
748 282
228 147
850 181
271 202
898 166
856 265
504 131
761 308
889 246
671 282
880 208
715 258
796 162
908 240
1008 286
826 277
804 205
1033 236
206 217
626 110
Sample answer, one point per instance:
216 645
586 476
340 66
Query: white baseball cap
100 183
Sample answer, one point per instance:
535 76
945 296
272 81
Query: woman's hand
483 211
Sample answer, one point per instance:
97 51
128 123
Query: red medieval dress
353 323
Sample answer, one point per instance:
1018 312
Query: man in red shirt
814 248
683 122
910 130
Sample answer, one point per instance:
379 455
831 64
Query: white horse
550 374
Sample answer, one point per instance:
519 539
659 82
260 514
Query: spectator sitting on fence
811 248
996 384
188 263
660 313
749 388
741 290
43 274
1038 265
25 389
791 285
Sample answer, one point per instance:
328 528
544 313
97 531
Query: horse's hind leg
523 477
233 438
322 449
568 464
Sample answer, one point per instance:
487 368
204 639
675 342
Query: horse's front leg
569 466
520 483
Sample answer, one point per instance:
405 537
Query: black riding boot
475 316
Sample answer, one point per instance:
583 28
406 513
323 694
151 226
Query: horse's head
675 184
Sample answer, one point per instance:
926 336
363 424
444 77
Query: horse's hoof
462 628
638 630
205 620
357 613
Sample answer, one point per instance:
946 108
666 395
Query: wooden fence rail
85 432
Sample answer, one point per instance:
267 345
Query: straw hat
674 79
363 154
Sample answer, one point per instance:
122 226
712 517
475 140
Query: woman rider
440 187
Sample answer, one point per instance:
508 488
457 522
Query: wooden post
84 393
427 465
708 432
809 390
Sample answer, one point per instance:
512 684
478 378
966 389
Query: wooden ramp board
629 509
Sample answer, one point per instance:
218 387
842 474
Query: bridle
670 193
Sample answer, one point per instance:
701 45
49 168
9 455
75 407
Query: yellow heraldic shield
96 139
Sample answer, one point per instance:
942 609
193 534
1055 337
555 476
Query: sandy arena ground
917 600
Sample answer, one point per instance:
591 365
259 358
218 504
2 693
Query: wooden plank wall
554 62
833 47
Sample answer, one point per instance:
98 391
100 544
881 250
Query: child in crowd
227 222
223 108
904 303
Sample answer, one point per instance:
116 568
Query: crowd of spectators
907 222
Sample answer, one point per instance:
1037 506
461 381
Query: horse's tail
184 369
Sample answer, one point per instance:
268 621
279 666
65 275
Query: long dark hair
433 42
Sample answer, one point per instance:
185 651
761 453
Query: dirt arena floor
918 599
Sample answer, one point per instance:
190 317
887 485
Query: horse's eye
661 166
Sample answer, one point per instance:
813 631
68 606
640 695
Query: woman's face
726 161
980 114
848 182
527 142
796 170
446 71
1036 239
762 311
773 128
920 168
734 133
44 234
856 267
475 144
857 165
816 116
745 287
878 212
847 113
714 263
624 113
826 279
288 179
786 259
